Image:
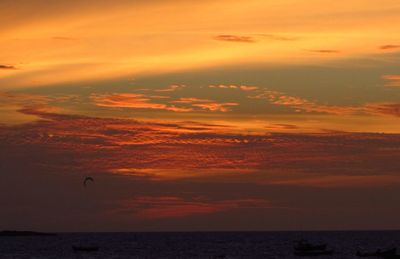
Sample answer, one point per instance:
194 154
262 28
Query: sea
210 245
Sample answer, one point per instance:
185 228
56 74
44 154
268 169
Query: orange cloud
221 107
290 100
23 99
7 67
171 88
141 101
392 80
386 47
304 105
206 104
136 101
159 97
328 51
240 87
248 88
191 100
392 109
301 104
235 38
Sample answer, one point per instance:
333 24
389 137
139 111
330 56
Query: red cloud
147 207
200 152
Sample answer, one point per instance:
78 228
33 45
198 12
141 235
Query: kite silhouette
87 179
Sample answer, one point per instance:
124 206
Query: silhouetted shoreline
14 233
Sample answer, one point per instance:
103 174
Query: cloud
206 104
159 97
7 67
149 207
168 174
196 152
392 109
23 99
305 105
221 107
235 38
281 126
191 100
240 87
331 181
327 51
158 171
141 101
171 88
18 100
386 47
250 39
135 101
248 88
277 37
392 80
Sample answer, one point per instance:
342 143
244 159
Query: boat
85 248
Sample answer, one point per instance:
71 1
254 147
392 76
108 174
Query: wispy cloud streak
235 38
149 207
391 80
7 67
305 105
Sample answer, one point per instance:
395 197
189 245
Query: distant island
13 233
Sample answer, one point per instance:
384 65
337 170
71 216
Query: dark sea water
193 245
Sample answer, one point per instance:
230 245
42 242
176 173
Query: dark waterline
194 244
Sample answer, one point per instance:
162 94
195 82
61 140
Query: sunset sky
199 115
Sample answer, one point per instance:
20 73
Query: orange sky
56 43
185 112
